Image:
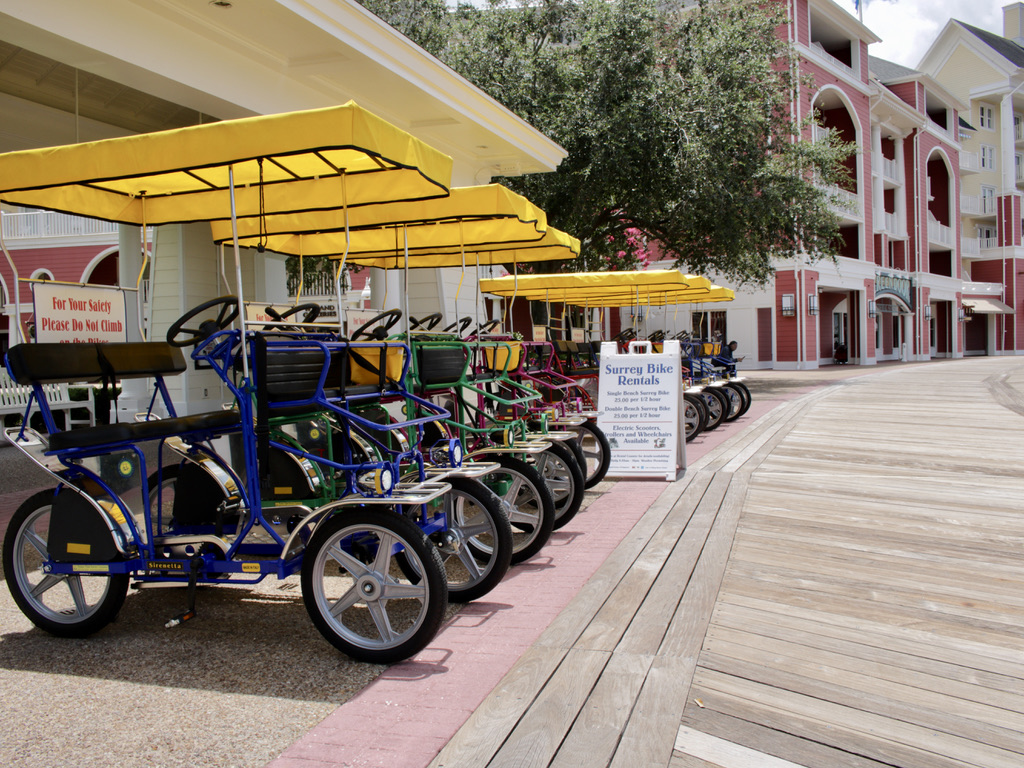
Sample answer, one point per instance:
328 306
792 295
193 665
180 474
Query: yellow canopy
490 224
312 160
481 215
715 293
595 286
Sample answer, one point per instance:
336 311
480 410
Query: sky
908 27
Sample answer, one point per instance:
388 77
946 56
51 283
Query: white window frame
986 117
988 149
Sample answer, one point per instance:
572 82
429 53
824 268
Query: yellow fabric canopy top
487 224
609 288
296 161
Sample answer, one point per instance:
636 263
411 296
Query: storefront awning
988 307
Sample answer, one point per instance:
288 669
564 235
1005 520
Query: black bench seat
198 423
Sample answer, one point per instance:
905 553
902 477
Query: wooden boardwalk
840 585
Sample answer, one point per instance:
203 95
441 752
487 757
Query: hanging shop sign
895 285
641 410
78 313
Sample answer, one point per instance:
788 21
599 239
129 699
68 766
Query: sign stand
641 410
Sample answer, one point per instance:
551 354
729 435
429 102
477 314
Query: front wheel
527 502
695 415
66 605
356 593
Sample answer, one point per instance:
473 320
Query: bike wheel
66 605
735 403
564 478
695 415
356 594
596 451
717 407
527 502
744 391
476 550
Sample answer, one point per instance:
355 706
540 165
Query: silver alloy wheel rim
374 585
76 598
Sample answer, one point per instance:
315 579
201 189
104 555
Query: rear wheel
740 387
735 402
527 503
356 593
596 451
695 415
717 407
564 478
476 548
66 605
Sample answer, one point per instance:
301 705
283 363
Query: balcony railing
970 246
973 205
39 224
969 161
890 170
892 224
987 243
819 49
940 233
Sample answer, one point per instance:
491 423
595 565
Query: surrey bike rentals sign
640 404
76 313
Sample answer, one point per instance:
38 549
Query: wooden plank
643 630
649 736
594 736
686 526
977 665
540 731
961 681
724 753
574 619
803 751
935 712
483 733
855 725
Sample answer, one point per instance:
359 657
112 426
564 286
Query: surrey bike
70 552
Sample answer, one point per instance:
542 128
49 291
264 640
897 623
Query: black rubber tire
59 609
562 473
527 502
744 391
699 414
362 575
595 469
735 400
717 406
478 559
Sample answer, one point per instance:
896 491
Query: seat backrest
439 364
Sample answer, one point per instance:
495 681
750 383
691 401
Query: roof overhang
988 306
270 56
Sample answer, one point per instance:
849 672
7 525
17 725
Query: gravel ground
233 687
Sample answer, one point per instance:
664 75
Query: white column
901 192
877 193
1006 144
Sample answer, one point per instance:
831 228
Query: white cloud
908 27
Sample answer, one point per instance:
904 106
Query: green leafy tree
676 120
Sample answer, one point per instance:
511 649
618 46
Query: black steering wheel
385 321
310 313
460 325
180 336
430 321
487 327
627 334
